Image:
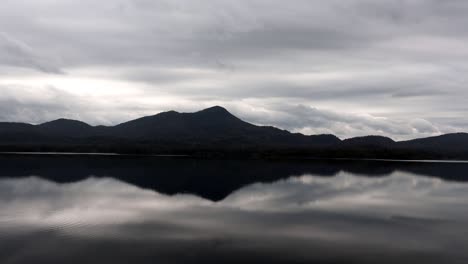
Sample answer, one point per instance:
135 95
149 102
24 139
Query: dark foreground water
159 210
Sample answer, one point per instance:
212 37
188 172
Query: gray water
151 210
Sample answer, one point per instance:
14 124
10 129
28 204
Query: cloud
18 54
365 67
310 120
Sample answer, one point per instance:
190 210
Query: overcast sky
396 68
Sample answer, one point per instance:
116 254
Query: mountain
215 132
213 125
206 124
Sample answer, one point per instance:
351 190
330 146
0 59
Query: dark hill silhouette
456 141
211 126
378 141
19 133
66 128
207 124
215 132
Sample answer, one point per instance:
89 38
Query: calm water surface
165 210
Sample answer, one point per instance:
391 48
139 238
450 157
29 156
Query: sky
351 68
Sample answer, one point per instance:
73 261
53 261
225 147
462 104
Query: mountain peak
64 121
168 113
215 109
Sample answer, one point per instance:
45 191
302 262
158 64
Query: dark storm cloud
392 61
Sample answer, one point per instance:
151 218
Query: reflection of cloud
103 201
94 201
400 192
357 214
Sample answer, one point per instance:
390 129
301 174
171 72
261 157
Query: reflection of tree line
211 179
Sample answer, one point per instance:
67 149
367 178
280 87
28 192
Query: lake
122 209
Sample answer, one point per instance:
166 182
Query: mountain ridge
215 130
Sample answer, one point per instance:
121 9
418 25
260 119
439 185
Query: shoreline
98 154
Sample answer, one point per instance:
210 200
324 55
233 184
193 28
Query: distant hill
65 128
369 141
449 142
215 132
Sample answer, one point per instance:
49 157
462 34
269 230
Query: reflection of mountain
210 179
215 132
